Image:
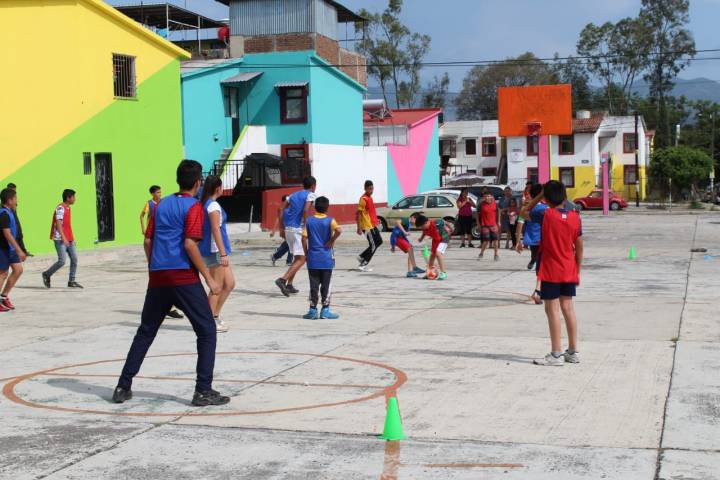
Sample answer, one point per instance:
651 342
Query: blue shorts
8 258
553 291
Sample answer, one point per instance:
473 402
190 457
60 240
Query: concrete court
308 396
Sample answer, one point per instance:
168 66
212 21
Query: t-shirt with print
560 229
62 213
214 207
488 214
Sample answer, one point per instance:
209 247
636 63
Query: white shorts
442 246
293 237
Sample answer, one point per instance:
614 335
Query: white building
471 147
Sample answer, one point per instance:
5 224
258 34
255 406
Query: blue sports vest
293 215
533 230
318 234
13 224
168 248
206 243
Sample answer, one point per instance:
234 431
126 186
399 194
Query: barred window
124 82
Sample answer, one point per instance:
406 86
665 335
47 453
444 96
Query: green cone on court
393 423
632 255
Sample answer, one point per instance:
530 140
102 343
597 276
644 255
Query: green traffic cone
632 255
393 424
426 252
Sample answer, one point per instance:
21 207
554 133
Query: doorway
104 198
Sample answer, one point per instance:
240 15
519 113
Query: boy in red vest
561 254
171 248
61 233
367 224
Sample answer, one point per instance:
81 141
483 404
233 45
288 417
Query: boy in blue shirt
399 239
11 253
532 238
318 241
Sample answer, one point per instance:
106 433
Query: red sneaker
7 303
3 308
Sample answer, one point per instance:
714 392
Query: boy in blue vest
318 241
296 210
171 248
11 254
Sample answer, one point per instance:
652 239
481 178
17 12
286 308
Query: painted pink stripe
409 160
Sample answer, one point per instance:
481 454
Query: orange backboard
549 105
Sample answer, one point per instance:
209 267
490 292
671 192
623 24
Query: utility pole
712 156
637 163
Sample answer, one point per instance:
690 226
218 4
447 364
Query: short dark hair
322 204
529 182
188 173
420 220
7 194
554 193
486 192
368 183
154 189
535 189
68 194
415 215
308 182
284 197
12 186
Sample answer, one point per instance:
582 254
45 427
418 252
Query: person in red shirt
488 225
62 234
438 232
367 224
561 255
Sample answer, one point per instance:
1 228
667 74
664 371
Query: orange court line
473 465
192 379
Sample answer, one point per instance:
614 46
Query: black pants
319 282
192 300
513 234
374 240
535 255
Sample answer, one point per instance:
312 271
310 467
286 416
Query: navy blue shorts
553 291
7 258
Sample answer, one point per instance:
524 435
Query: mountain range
693 89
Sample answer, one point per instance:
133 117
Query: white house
471 147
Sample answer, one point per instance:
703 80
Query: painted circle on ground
380 391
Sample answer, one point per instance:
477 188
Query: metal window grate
124 82
87 163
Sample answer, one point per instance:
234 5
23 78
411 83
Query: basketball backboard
535 110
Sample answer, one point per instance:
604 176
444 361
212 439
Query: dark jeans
319 281
282 250
192 300
374 241
63 251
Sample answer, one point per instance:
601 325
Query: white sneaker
571 357
220 326
550 360
365 268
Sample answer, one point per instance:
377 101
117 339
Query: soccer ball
432 274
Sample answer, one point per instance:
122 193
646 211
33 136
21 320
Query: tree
478 97
617 54
436 92
670 47
393 52
699 134
687 167
678 111
574 72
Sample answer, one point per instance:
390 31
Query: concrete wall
476 129
415 167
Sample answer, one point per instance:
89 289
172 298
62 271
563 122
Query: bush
687 167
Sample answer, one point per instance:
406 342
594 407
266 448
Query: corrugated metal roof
241 78
290 84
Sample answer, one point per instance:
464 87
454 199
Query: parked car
595 201
434 205
477 190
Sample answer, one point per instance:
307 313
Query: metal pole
198 39
712 155
252 206
637 164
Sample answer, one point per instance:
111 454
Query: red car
595 201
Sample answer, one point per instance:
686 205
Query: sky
463 30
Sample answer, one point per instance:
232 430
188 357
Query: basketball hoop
533 128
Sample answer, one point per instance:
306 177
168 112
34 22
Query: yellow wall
628 191
59 54
584 180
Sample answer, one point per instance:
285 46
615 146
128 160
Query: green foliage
687 167
574 72
436 92
478 97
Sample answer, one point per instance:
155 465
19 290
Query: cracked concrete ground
308 396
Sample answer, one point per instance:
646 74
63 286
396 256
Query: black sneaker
208 398
175 314
74 285
46 280
531 265
291 289
121 395
462 245
281 285
470 245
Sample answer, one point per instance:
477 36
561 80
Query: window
230 98
435 201
124 76
366 138
293 105
595 194
532 145
566 145
489 147
629 174
567 176
87 163
532 175
470 146
629 143
489 172
448 148
417 201
296 165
